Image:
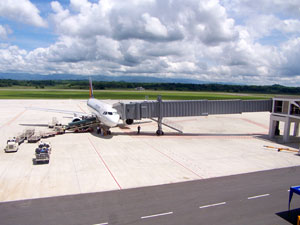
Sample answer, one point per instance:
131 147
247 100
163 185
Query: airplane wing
75 113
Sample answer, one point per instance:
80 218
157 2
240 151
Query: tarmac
211 146
259 198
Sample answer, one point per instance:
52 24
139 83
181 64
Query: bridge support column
159 119
273 127
296 129
287 127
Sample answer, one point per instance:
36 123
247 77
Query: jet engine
129 121
76 119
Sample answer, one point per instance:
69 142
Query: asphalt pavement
253 198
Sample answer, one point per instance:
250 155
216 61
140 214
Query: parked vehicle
34 139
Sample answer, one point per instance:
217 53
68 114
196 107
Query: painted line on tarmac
156 215
13 119
106 166
101 223
169 157
81 108
212 205
255 123
258 196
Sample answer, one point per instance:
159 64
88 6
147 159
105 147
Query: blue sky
236 41
28 37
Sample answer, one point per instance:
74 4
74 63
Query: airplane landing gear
159 118
104 131
159 132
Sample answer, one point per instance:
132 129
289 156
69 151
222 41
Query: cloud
247 8
290 26
154 27
89 19
291 52
22 11
12 59
216 41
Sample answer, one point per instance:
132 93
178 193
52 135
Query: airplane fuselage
104 112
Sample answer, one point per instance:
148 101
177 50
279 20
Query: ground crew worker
139 129
98 130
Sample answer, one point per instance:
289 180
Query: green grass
113 94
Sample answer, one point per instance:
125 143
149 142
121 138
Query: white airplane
105 114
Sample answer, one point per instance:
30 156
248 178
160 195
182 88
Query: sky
232 41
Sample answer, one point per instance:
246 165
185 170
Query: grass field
139 95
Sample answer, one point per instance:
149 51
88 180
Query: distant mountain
136 79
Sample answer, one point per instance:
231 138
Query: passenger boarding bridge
285 109
160 109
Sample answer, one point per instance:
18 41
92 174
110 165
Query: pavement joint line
212 205
258 196
106 166
175 161
76 173
156 215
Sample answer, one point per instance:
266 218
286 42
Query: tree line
104 85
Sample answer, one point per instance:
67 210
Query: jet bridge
160 109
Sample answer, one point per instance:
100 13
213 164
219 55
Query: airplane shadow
33 125
34 162
293 143
290 216
102 136
175 134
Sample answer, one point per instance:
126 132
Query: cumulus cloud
216 41
22 11
154 26
291 52
12 59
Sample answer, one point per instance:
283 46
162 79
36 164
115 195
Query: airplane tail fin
91 89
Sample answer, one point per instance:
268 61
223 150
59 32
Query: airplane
104 112
106 116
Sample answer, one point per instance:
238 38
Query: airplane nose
114 120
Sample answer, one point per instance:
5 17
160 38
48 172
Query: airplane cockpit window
110 113
104 113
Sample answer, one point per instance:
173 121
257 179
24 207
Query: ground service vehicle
12 144
42 152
